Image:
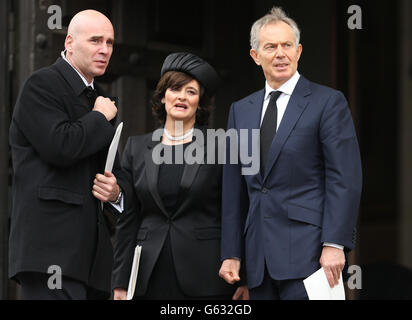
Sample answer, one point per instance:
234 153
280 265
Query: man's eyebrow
100 37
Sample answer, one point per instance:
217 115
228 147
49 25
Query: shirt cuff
118 206
333 245
236 258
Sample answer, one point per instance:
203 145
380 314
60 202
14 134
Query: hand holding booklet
134 272
317 287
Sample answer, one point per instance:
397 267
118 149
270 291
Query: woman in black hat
173 209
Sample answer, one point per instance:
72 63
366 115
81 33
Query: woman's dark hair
175 79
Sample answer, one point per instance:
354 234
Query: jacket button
264 190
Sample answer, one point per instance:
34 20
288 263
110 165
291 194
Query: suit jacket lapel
253 120
190 171
297 104
76 83
256 115
152 174
70 75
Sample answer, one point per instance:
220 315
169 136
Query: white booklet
317 287
133 274
111 155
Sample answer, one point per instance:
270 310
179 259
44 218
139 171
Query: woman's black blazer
195 227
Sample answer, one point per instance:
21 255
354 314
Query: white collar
286 88
91 84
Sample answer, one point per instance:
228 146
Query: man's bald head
89 43
83 19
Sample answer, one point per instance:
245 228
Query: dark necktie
268 129
91 94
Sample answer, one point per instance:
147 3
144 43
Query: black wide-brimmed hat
193 66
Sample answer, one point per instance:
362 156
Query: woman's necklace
179 138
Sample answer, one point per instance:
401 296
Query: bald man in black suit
61 129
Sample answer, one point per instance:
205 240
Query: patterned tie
268 129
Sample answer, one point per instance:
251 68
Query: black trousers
35 286
163 283
271 289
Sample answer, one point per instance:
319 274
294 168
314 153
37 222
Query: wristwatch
119 197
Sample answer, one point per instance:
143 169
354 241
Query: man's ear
68 43
300 49
255 56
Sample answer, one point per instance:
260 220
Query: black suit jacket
58 146
194 228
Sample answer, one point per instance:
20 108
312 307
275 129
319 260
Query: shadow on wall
386 281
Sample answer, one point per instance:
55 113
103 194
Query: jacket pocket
305 215
142 234
69 197
208 233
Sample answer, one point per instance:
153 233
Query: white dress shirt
287 89
283 100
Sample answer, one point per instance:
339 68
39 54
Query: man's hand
120 294
229 271
105 187
105 106
332 261
241 293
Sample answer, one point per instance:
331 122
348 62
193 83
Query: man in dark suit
60 133
299 212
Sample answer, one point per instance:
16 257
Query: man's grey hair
275 15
